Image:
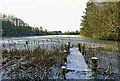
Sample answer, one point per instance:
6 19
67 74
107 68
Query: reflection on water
100 45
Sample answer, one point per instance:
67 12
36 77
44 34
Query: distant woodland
13 26
72 32
101 20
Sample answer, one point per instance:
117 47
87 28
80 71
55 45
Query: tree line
72 32
101 20
13 26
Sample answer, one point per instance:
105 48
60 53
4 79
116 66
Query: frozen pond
63 38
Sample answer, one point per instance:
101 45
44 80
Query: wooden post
79 46
65 47
64 66
64 69
94 64
65 57
83 49
68 49
68 45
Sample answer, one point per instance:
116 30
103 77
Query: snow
94 58
79 75
63 67
3 41
64 51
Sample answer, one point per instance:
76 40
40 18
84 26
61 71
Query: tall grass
108 57
41 62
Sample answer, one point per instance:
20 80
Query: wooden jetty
77 61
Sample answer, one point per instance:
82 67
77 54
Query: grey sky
50 14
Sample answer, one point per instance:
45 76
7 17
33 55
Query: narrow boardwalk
77 65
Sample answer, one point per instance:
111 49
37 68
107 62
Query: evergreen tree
102 20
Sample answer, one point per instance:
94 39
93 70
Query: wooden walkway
76 60
77 65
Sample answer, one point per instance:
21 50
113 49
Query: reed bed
108 58
41 62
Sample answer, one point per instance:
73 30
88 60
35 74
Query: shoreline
100 39
31 35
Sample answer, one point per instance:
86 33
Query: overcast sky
61 15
